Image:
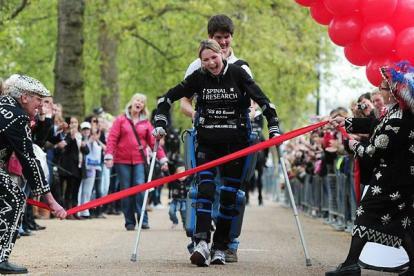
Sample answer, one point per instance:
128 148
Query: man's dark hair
220 23
365 96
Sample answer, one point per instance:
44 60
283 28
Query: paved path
270 245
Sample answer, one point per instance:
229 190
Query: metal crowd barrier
330 197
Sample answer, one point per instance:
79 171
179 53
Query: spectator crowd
327 180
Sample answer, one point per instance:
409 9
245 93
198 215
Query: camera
362 106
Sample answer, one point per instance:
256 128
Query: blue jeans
129 176
177 205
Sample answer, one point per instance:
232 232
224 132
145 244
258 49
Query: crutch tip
134 258
308 262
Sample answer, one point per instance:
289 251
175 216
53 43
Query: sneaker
190 247
130 227
231 256
200 254
218 258
145 226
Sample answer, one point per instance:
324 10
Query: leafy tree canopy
158 39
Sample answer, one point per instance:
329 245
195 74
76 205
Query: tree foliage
158 39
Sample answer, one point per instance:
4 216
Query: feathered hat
400 79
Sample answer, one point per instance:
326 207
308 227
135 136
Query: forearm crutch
292 202
144 204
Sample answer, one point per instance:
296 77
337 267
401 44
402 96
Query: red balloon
405 44
404 15
378 10
356 55
320 13
306 3
341 7
378 38
344 30
373 69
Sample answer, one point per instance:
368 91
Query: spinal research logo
213 94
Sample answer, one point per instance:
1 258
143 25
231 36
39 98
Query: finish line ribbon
37 203
158 182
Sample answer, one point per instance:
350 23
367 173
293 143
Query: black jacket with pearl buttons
16 136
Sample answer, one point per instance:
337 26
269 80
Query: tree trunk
108 47
69 79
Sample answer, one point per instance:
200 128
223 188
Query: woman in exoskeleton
224 92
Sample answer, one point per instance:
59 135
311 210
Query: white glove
159 132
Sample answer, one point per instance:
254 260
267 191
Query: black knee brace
206 186
228 208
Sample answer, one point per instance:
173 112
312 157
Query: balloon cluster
374 33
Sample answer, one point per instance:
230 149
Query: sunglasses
384 88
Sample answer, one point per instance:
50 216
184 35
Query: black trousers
230 173
12 202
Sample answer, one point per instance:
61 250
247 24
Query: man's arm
20 138
186 106
360 125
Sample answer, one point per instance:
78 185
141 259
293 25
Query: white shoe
201 254
159 207
219 258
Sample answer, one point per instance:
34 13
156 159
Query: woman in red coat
123 152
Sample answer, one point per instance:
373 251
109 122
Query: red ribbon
343 132
158 182
38 204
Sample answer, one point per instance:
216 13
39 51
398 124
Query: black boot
408 272
350 270
8 268
36 227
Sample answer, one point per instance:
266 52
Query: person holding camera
224 92
365 105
